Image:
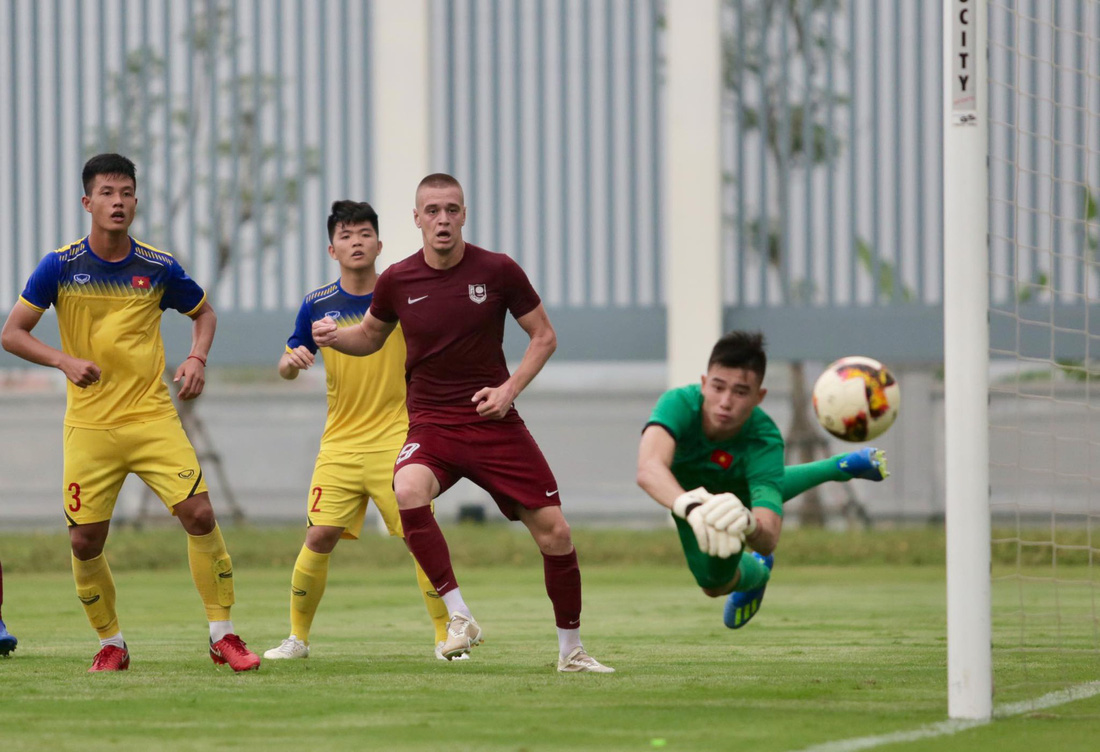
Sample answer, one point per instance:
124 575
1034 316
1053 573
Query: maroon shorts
502 458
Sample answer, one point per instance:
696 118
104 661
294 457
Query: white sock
115 639
219 629
568 641
454 603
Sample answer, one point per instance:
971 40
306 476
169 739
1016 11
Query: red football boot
231 649
111 658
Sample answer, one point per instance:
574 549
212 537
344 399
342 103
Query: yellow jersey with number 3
109 313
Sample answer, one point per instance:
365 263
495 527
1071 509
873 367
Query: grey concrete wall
586 418
1043 437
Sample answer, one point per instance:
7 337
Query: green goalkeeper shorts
709 571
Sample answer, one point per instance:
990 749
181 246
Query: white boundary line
948 728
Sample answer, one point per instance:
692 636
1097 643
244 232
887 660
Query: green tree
229 177
794 116
1092 221
225 160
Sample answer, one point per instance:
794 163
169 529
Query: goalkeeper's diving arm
768 526
655 466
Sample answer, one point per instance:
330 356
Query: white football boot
463 633
291 647
440 656
578 660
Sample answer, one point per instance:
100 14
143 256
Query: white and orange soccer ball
856 398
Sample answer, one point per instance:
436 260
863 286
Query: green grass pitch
850 648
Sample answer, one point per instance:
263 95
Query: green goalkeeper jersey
749 465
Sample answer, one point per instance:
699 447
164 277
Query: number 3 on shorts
406 452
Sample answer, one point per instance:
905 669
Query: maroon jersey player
451 299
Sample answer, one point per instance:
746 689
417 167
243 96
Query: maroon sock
563 585
428 546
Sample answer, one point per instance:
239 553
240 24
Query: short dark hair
739 349
351 213
107 164
440 180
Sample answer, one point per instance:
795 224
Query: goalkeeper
712 456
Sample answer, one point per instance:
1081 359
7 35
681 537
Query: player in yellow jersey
110 291
364 431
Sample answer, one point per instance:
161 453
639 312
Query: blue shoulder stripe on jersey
322 292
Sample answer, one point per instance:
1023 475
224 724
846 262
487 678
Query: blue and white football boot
7 640
867 463
742 606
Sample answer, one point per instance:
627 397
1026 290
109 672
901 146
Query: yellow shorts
343 483
97 461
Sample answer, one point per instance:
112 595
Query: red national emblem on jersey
721 458
477 293
140 283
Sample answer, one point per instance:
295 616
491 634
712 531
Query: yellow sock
437 609
212 571
96 589
307 585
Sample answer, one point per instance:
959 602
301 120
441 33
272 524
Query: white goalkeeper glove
691 507
724 545
726 512
688 507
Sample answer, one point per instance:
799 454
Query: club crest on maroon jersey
477 293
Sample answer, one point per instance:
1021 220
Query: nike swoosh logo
551 493
297 591
226 575
416 300
88 601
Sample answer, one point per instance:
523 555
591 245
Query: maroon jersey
453 320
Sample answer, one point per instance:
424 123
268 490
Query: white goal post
966 364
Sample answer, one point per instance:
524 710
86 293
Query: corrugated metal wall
553 119
248 118
1044 177
549 113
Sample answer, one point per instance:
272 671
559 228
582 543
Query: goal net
1043 81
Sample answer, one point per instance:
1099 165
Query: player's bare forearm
534 358
364 339
30 348
17 339
191 374
544 341
357 340
286 369
768 527
655 466
496 401
295 361
203 325
659 483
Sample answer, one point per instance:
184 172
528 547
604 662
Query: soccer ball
856 398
